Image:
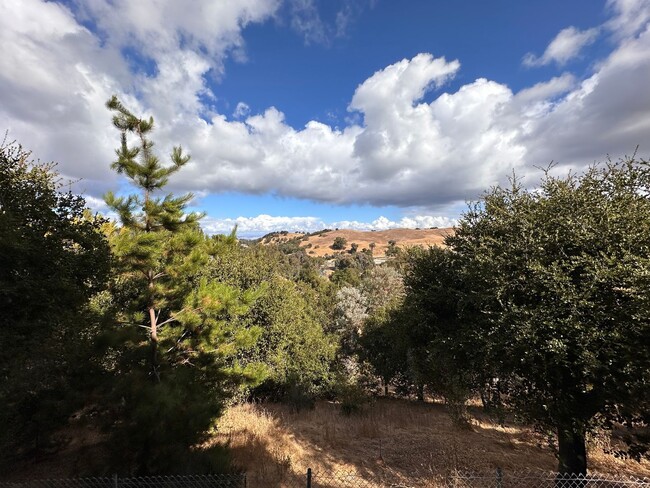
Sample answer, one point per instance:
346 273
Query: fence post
308 477
499 478
115 480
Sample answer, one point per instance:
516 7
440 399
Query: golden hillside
320 243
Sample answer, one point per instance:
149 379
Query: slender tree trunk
153 340
420 388
153 336
572 451
153 321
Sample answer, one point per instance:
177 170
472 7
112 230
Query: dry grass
394 439
321 243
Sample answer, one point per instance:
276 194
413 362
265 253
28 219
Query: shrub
339 243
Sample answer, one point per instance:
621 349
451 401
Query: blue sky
302 114
313 81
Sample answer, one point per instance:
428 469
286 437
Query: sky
307 114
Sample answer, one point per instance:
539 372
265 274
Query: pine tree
146 232
193 335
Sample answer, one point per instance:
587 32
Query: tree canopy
175 338
53 258
551 298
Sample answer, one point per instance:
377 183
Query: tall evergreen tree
177 336
147 230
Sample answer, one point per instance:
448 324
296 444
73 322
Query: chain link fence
495 479
501 479
192 481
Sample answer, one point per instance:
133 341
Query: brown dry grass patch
321 243
394 439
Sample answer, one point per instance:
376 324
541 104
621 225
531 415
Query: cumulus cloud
397 147
564 47
55 74
407 152
53 86
249 227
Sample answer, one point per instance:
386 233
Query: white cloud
55 75
397 148
241 110
406 153
263 224
306 20
382 223
564 47
629 17
53 86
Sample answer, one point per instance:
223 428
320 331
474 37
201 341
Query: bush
352 398
339 243
300 397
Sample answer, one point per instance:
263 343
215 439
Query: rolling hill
320 243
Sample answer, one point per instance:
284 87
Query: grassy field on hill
320 243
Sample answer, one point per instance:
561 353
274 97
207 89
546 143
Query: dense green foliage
53 258
561 277
292 312
176 337
540 303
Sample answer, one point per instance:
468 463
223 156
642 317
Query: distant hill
320 243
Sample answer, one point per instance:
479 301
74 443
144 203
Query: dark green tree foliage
53 258
440 340
339 243
350 268
384 344
174 348
292 314
392 249
561 277
245 267
419 341
294 345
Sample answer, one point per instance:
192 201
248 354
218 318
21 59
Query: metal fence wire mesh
495 479
501 479
192 481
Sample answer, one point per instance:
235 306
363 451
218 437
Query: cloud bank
60 64
251 227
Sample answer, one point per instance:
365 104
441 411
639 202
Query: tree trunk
572 451
153 339
420 388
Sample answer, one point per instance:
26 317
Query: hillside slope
320 243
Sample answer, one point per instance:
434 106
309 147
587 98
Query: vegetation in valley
526 328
